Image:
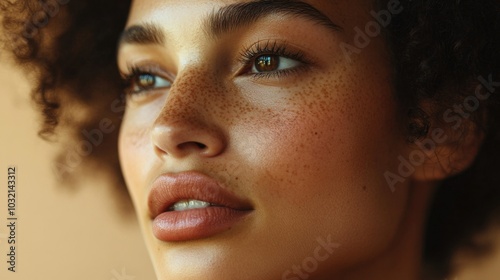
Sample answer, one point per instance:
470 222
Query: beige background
60 234
78 235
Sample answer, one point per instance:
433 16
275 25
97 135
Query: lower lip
195 224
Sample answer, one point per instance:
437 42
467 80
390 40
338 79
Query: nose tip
181 141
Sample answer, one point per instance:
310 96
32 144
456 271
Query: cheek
136 152
323 163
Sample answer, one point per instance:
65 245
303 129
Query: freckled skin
308 150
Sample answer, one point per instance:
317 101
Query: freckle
364 188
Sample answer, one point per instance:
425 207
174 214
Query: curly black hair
442 52
68 48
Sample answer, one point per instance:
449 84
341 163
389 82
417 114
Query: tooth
189 204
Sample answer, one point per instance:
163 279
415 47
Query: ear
447 150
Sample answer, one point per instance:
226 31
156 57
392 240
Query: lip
226 209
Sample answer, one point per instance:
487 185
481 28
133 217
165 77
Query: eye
271 63
146 82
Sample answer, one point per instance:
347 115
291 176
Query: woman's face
281 141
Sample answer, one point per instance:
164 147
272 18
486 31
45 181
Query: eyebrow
230 18
238 15
144 34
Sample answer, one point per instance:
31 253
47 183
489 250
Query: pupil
267 63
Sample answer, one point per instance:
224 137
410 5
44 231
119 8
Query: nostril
201 146
192 145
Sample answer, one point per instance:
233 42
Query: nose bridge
190 97
187 123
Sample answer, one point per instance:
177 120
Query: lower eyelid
279 74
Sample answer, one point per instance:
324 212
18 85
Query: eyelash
133 72
249 55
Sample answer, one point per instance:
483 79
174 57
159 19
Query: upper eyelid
266 46
145 67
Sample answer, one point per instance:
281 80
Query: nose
186 124
180 139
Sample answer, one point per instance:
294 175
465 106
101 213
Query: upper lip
171 188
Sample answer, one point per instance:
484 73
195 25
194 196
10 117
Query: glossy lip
168 189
